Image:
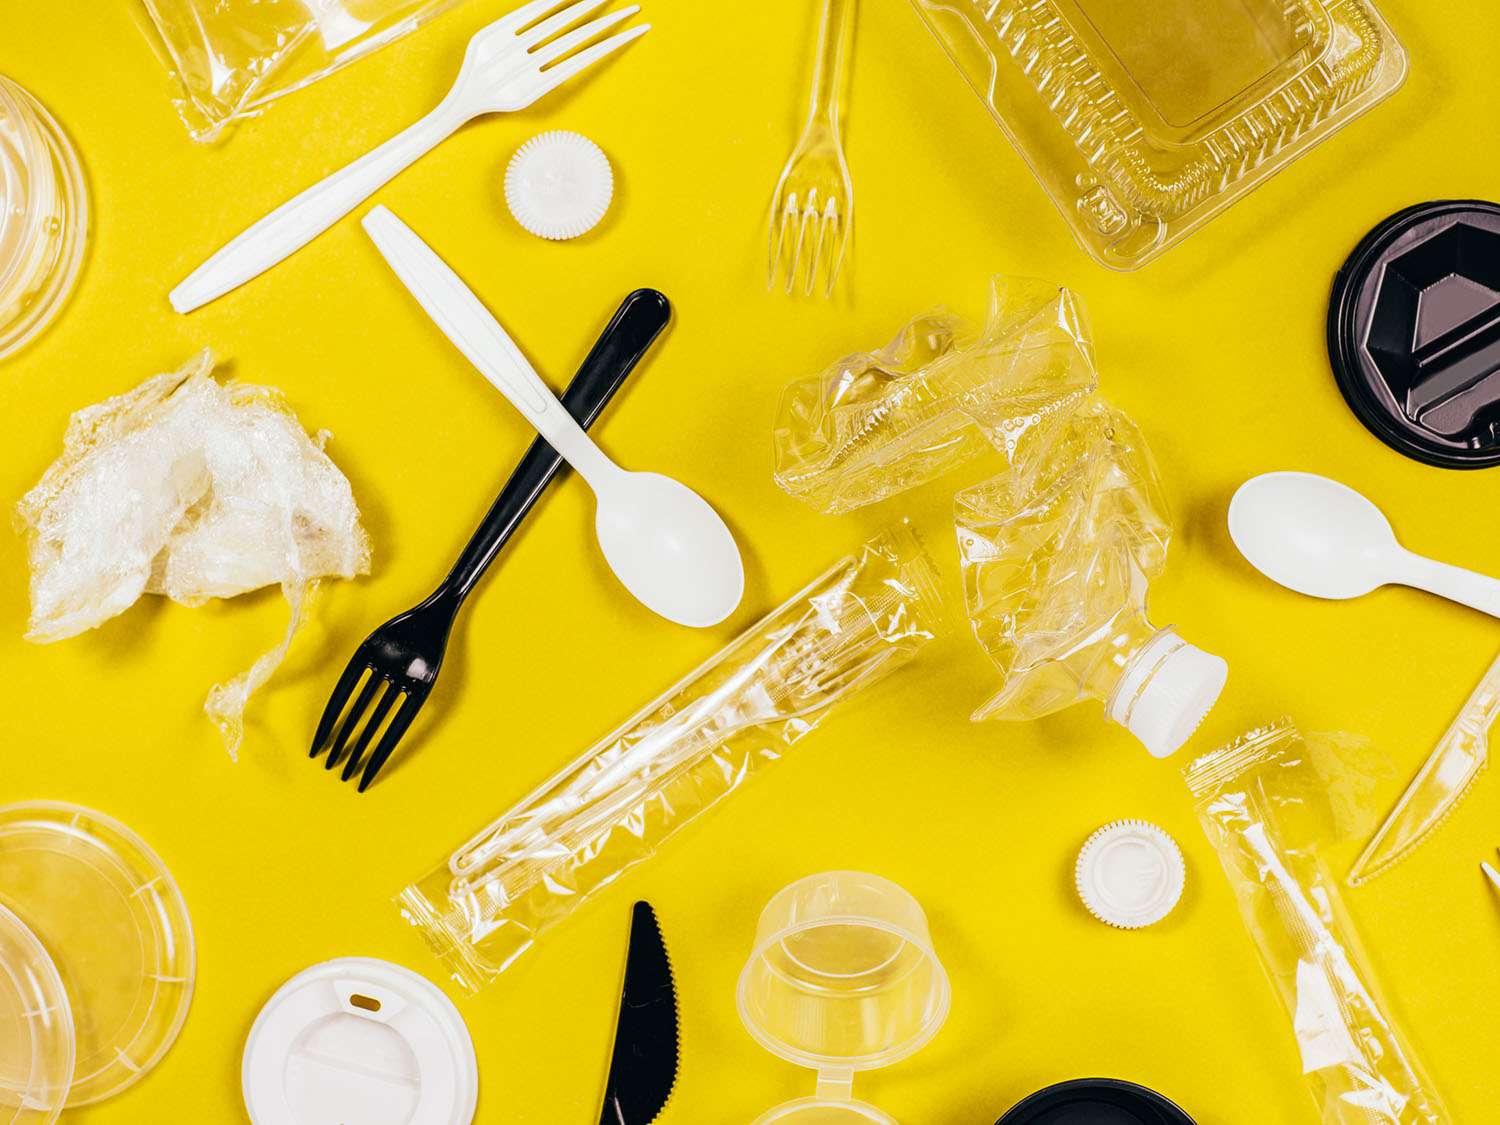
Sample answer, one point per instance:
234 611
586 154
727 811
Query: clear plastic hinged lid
36 1029
1143 120
113 924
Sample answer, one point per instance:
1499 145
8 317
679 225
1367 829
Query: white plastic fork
507 67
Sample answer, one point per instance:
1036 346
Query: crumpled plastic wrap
192 489
232 57
1057 554
676 758
938 396
1267 802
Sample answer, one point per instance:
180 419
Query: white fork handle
1477 591
299 220
475 332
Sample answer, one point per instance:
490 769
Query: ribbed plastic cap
1167 691
1130 874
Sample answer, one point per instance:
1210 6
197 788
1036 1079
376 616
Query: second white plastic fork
508 66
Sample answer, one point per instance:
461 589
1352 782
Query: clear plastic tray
1143 120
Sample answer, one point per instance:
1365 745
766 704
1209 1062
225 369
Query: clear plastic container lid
36 1029
112 921
44 217
1144 121
824 1111
843 978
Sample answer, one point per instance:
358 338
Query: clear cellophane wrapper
230 58
1267 802
938 396
675 759
1057 554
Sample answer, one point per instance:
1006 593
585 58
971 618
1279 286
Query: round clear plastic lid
36 1029
821 1111
112 921
43 217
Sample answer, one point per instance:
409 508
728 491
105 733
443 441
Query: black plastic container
1414 333
1096 1101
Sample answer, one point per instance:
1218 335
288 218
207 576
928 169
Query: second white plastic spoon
662 540
1319 537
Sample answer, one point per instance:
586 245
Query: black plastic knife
643 1069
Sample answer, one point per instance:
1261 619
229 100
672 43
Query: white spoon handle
302 218
1477 591
475 332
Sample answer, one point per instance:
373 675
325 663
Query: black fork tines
362 722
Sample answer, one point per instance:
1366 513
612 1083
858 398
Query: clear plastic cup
843 978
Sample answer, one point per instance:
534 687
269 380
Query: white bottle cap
1166 692
1130 874
559 185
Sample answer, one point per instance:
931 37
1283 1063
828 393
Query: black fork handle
641 319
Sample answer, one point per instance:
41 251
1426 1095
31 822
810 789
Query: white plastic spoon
1319 537
662 540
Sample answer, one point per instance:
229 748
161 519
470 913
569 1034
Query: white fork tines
508 66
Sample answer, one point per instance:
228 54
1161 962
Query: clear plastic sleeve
675 759
939 395
232 57
1266 801
1057 555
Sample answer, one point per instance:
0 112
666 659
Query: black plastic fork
398 663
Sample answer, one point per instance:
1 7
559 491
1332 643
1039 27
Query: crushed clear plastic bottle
1058 554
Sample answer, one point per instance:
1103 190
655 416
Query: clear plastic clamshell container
1145 118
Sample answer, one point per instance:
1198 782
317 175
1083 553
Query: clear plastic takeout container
843 978
1144 119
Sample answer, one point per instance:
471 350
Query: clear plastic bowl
44 217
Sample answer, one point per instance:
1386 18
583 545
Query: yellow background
1217 350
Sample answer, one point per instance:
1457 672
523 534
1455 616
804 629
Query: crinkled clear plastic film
676 758
939 395
1265 804
231 57
192 489
1057 555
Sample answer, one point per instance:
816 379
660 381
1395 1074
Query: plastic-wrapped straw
676 758
1265 803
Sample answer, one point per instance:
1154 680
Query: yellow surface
1217 350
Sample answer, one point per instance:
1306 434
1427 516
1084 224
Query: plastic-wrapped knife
643 1069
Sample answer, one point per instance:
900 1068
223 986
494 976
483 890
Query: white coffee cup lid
363 1040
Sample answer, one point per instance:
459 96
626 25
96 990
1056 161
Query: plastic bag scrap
192 489
232 57
941 394
675 759
1057 554
1264 802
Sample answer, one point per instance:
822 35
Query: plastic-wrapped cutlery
509 65
664 542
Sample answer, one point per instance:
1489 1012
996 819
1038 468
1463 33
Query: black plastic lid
1096 1101
1414 333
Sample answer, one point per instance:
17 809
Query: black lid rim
1343 345
1025 1110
